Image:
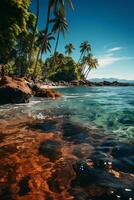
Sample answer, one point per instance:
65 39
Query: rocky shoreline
20 90
83 83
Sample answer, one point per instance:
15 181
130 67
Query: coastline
86 83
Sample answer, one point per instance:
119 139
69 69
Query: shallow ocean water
111 108
90 151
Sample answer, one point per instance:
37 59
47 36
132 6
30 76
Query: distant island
112 80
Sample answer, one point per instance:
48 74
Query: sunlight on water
109 107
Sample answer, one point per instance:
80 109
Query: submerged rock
75 132
87 174
14 90
24 186
50 149
123 155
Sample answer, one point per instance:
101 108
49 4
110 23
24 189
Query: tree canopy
27 51
16 19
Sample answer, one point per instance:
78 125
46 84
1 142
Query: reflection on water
79 147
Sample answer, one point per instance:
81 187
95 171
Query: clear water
111 108
95 129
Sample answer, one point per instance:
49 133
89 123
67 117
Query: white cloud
111 59
115 49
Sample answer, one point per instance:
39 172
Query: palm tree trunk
57 41
34 32
80 57
36 63
86 75
46 31
86 72
41 57
48 16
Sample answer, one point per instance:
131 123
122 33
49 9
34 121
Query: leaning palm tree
92 63
69 49
59 26
46 47
85 47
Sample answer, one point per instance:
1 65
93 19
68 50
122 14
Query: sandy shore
52 86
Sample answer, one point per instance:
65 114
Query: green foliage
69 49
30 71
10 68
22 46
15 18
59 67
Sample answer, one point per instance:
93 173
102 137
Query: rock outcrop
14 90
45 93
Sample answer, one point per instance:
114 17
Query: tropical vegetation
28 51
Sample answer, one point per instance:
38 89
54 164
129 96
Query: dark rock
107 83
14 90
115 83
123 158
124 165
24 186
54 185
46 126
7 150
50 149
75 83
87 174
5 193
123 150
75 132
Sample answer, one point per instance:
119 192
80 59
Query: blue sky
108 25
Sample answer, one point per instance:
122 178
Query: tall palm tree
53 4
69 49
59 26
34 31
46 47
85 47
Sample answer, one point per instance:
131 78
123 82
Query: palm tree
91 63
85 47
56 4
53 4
47 46
69 49
61 4
42 36
22 52
34 31
60 26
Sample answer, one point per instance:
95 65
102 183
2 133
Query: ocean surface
97 125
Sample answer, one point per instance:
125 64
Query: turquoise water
96 130
111 108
